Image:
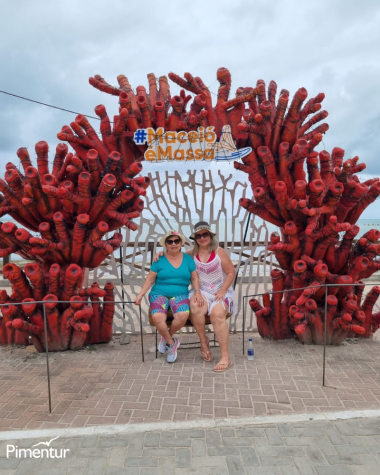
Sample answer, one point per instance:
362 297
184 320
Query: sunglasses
203 235
172 242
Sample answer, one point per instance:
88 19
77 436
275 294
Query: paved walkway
327 447
108 384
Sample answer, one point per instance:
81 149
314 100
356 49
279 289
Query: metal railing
43 303
325 316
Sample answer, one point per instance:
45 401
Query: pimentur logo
49 452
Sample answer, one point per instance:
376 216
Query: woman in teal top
170 277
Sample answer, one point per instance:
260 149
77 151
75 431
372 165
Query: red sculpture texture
95 191
86 195
310 196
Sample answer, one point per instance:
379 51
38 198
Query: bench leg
156 344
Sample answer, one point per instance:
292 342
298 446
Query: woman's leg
197 316
159 320
219 322
179 320
180 306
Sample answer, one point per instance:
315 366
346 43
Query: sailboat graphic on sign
226 149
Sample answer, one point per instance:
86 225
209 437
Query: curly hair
214 244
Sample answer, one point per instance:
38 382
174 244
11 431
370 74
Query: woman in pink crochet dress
216 274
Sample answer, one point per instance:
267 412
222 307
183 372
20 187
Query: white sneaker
162 346
172 351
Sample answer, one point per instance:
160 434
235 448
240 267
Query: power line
48 105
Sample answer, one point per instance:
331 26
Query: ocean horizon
226 230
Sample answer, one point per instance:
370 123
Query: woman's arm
149 281
229 270
195 284
190 252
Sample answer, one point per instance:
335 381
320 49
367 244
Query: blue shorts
161 304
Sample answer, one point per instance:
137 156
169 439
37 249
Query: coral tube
159 108
108 312
316 190
365 201
282 199
42 151
262 198
283 170
350 199
17 278
279 327
54 286
367 308
93 336
94 169
52 319
73 277
359 266
343 250
54 203
268 161
262 322
106 186
80 328
79 233
24 157
84 199
59 158
282 256
174 118
315 287
255 208
280 112
66 330
312 166
35 275
41 200
13 179
299 277
293 118
95 235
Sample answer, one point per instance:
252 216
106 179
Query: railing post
324 339
243 322
241 250
141 332
47 356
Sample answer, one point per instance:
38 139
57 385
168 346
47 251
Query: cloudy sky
50 49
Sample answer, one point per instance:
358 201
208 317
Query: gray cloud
50 49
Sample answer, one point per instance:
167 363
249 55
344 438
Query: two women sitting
210 271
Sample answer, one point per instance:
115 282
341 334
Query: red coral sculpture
312 197
86 195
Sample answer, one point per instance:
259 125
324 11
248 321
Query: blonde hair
213 246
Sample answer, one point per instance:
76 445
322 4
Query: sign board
195 145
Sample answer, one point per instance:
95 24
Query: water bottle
250 352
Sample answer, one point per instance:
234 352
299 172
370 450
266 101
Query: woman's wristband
197 290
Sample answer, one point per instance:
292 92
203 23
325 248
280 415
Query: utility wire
48 105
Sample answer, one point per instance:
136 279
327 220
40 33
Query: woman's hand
220 295
199 299
158 255
139 299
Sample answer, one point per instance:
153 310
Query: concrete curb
200 424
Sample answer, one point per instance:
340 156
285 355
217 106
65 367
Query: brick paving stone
287 380
183 458
198 447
